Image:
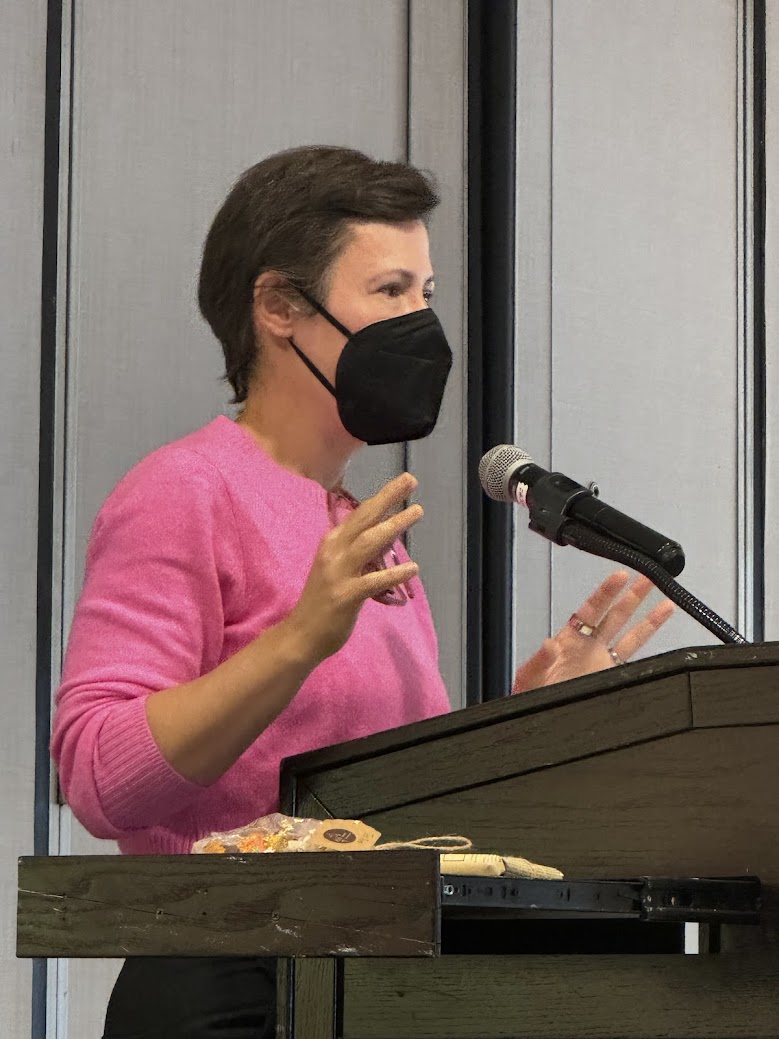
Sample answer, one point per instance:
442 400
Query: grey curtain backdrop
634 260
634 268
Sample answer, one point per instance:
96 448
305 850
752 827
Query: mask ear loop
334 322
312 367
309 364
325 314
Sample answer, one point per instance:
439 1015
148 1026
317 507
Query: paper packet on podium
279 832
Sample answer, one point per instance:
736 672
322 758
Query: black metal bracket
732 900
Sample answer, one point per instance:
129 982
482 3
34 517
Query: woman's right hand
341 577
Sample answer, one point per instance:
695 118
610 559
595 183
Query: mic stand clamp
549 500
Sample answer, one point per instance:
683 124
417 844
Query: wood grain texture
489 753
632 675
701 803
564 997
296 799
295 904
735 696
285 968
88 982
315 993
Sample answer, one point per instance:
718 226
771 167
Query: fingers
592 610
377 581
613 604
532 674
368 532
376 540
352 563
373 510
623 609
637 636
348 567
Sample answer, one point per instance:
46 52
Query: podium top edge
687 660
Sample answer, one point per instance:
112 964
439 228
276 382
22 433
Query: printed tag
342 835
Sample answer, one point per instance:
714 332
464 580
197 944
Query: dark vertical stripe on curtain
48 348
492 28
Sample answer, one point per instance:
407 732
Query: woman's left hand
571 652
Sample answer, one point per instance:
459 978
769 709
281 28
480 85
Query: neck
286 429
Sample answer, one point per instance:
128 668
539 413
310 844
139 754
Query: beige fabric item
497 866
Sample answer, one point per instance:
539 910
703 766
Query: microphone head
497 468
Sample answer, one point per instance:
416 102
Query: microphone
509 474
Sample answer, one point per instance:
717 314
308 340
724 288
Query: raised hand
342 576
596 636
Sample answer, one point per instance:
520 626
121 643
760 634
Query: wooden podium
664 767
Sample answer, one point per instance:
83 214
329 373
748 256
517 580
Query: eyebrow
404 275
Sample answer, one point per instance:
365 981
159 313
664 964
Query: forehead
378 246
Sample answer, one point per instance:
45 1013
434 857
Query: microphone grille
497 467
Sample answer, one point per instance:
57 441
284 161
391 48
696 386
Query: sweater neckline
283 478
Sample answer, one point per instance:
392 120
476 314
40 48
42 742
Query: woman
238 606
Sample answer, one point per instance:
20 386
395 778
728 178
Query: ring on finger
581 627
615 656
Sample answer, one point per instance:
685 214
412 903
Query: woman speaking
239 606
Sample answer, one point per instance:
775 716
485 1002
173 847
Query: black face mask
390 377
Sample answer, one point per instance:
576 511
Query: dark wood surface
597 713
681 661
514 745
315 995
310 904
735 696
563 997
666 766
699 803
307 806
672 774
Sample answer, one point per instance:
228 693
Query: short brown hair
291 213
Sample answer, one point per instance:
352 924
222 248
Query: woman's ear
274 311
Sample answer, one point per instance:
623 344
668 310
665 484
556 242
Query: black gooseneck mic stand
547 517
574 533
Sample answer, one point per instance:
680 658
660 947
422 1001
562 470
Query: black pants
193 998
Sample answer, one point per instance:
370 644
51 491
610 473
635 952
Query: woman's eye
395 291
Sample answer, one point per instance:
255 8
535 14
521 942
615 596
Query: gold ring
581 627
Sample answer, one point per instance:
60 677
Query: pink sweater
203 545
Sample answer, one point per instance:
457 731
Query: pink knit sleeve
163 561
